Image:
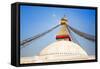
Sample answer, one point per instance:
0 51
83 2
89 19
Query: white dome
63 51
59 51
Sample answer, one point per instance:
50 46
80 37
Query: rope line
82 34
26 41
73 37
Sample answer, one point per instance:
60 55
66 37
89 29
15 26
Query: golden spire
63 33
64 20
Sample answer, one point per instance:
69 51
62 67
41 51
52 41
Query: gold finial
64 20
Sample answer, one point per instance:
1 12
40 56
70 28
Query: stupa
64 49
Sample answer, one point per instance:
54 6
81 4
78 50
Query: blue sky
36 19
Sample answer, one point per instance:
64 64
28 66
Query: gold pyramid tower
63 33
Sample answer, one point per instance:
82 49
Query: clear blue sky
36 19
